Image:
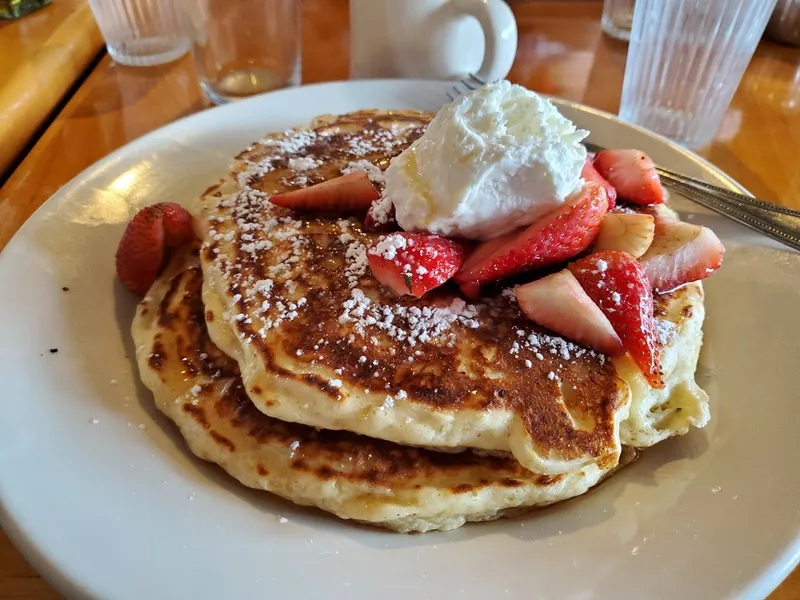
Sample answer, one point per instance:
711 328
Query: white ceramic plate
120 510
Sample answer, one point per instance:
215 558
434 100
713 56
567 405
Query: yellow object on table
14 9
41 57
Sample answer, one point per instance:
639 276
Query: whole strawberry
149 236
178 227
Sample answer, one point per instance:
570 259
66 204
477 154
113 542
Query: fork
777 222
471 82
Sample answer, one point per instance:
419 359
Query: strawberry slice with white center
554 238
414 263
632 174
625 232
559 303
681 253
351 193
619 286
589 173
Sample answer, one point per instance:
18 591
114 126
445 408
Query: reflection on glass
245 47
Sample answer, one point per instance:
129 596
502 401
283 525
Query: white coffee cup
431 39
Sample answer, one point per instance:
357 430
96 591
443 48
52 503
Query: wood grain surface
41 56
561 51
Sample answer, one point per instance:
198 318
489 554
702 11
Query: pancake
656 415
355 477
320 342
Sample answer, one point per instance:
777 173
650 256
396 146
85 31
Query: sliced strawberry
414 263
178 226
554 238
619 286
381 217
632 174
140 253
589 173
559 303
681 253
625 232
349 193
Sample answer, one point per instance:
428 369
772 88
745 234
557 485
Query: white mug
431 39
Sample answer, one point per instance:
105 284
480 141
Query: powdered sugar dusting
356 261
422 324
388 246
364 166
291 141
304 163
274 293
381 209
510 293
372 140
531 345
665 331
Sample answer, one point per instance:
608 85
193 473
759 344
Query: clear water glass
685 61
245 47
141 32
617 18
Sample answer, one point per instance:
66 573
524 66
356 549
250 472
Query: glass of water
245 47
685 61
617 18
141 32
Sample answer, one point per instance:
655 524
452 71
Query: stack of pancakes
284 361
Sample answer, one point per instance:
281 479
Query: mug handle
500 32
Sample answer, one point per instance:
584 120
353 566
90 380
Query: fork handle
740 200
784 228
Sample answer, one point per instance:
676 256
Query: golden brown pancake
353 476
320 342
656 415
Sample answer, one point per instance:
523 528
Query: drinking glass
141 32
618 18
245 47
784 25
685 61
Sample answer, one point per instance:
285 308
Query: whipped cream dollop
491 161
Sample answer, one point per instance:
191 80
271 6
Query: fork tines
476 79
471 82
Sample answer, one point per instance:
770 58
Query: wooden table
561 52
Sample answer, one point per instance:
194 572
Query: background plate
119 509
